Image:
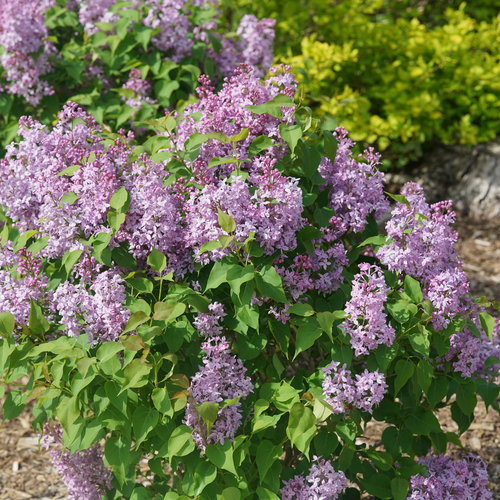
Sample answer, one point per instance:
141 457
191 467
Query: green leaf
301 309
231 493
399 488
157 261
404 371
115 220
240 136
301 427
273 107
466 397
180 442
265 494
376 241
413 290
308 332
221 455
14 404
70 258
420 340
402 311
259 144
120 200
7 323
226 222
69 171
269 284
218 274
487 323
422 421
69 198
143 285
209 412
144 420
161 400
37 322
424 374
291 134
136 319
399 198
168 311
267 454
136 374
330 145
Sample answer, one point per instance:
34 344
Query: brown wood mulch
26 471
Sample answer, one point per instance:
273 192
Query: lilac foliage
221 377
26 50
321 482
82 472
366 323
95 11
451 479
343 391
356 185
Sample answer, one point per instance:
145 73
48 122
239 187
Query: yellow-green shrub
392 78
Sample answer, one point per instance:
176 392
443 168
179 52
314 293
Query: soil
26 471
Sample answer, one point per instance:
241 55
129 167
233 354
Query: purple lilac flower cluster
37 193
95 11
97 310
220 378
272 212
26 50
21 282
423 245
356 185
342 391
82 472
321 270
226 112
253 45
208 324
451 479
141 89
366 323
322 482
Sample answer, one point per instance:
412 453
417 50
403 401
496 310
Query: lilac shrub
220 312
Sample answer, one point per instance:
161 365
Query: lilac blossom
320 271
273 212
342 391
96 310
208 324
141 89
82 472
356 185
221 377
451 479
366 323
153 219
96 11
253 45
322 482
21 282
38 195
26 52
226 112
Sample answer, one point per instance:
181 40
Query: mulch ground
26 471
